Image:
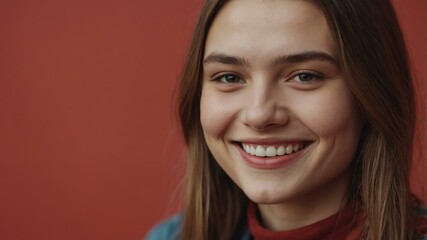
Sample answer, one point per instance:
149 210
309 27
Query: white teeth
289 149
281 151
252 150
271 151
260 151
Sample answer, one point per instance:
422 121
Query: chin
265 197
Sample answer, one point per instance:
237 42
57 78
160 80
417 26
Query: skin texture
260 95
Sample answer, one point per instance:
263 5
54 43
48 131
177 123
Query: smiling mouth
272 150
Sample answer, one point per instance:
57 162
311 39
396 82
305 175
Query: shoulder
167 230
422 221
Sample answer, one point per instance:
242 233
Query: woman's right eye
228 79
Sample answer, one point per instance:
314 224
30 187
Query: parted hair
374 61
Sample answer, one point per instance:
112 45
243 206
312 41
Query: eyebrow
284 59
225 59
304 57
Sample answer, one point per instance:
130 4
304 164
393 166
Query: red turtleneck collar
346 224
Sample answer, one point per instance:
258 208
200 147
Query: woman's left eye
306 77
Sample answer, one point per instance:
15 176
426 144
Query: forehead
261 28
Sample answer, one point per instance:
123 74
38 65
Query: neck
307 209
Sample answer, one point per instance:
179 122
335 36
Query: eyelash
221 76
313 75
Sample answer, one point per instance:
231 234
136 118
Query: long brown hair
374 61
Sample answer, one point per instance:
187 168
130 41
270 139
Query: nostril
267 126
262 118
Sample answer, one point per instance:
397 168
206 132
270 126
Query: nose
265 109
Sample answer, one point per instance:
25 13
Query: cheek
217 112
335 114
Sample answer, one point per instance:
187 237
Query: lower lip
268 162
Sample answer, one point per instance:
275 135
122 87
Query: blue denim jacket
167 230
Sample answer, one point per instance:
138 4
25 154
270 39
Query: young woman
299 118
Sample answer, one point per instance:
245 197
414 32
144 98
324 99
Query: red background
89 147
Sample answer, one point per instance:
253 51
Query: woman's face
276 113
